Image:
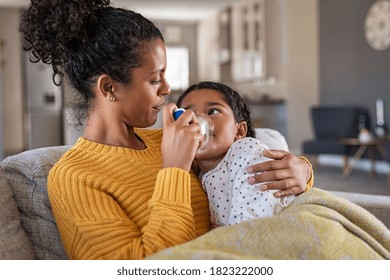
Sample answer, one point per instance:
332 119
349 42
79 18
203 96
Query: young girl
223 165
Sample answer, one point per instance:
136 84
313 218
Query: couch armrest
14 244
378 205
26 174
272 138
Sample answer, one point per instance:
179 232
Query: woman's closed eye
157 82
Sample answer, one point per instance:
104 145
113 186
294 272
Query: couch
27 226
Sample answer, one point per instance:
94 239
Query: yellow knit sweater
117 203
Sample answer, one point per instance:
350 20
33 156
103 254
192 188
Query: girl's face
141 100
226 129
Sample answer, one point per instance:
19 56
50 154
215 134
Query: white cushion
272 138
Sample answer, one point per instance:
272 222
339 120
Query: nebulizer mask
206 129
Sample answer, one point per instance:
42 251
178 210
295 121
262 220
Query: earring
112 98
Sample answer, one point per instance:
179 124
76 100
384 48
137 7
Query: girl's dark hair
233 98
86 38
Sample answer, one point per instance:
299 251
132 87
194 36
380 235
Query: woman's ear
105 87
242 129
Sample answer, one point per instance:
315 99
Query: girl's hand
287 173
181 138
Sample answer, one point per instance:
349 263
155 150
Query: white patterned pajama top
231 198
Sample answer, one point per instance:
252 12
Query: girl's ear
105 87
241 130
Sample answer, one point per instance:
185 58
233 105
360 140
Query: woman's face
212 103
141 100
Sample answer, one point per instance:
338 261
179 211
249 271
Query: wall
12 87
351 72
301 68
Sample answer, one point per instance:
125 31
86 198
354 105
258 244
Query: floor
331 178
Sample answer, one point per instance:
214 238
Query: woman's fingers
272 175
181 138
188 117
275 154
281 161
286 173
291 191
167 114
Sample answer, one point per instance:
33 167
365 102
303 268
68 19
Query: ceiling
188 10
175 9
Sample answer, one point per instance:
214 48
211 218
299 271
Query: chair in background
330 124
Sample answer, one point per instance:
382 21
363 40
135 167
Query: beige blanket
316 225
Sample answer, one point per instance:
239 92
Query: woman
124 192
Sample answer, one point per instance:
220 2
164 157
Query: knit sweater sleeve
112 203
171 219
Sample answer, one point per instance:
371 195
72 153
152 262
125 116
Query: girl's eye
213 112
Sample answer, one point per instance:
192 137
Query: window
178 67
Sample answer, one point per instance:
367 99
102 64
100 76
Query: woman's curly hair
86 38
233 98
